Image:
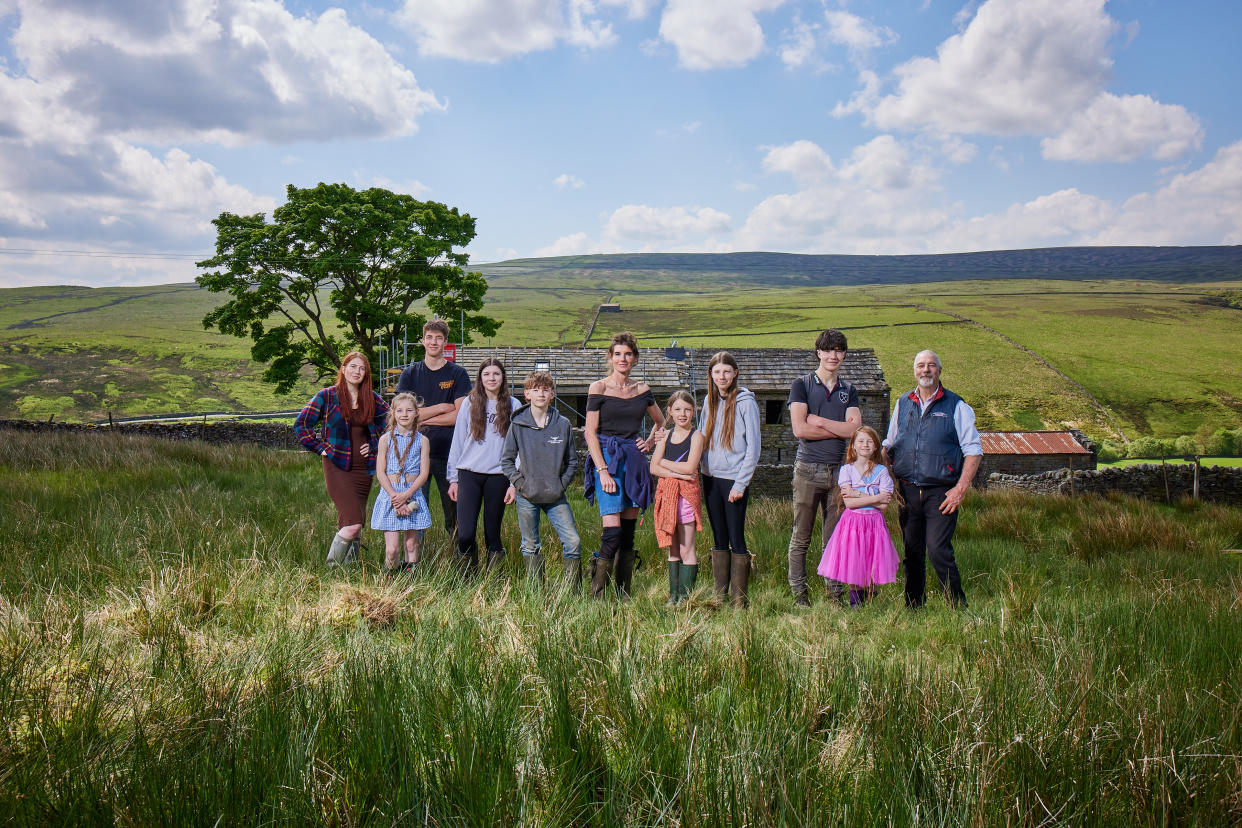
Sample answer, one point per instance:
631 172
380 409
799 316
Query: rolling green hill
1133 340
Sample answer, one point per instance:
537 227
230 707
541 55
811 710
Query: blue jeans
559 515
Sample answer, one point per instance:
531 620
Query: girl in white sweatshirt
475 480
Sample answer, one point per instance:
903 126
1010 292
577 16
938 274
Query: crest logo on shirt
843 396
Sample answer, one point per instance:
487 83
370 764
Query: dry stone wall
1149 481
271 435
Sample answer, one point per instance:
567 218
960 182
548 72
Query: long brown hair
365 410
478 402
713 403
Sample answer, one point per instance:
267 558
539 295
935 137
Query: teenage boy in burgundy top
440 387
824 412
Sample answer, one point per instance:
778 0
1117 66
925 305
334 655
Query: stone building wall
1023 464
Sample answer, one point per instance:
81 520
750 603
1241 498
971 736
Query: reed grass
173 652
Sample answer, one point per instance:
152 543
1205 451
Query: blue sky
586 126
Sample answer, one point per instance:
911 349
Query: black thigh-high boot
627 557
603 561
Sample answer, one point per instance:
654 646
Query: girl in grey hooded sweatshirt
729 418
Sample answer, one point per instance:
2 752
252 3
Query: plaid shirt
324 407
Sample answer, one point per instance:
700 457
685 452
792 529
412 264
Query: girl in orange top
678 500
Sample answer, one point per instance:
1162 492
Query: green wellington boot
674 583
688 575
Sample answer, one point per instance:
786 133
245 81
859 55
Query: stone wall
272 435
1149 481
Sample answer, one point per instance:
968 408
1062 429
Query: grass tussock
176 653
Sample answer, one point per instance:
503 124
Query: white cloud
566 181
575 244
490 31
713 34
233 71
956 150
410 186
646 225
635 9
884 198
874 201
92 81
799 46
1203 206
1019 66
859 36
1066 217
1124 128
644 229
89 194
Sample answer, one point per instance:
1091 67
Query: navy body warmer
927 451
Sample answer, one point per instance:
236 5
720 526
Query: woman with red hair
352 417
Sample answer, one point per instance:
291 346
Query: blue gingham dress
383 516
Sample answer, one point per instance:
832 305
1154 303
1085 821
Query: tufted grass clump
173 651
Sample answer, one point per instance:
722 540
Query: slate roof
1030 442
763 370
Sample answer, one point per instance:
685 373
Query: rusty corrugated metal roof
1030 442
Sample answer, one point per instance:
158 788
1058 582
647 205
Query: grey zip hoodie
539 462
736 464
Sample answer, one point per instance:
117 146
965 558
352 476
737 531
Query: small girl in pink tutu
860 553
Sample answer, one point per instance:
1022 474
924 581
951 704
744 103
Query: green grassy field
173 652
1234 462
1151 358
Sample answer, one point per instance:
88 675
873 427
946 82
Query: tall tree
364 257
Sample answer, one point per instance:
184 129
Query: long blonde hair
713 403
404 396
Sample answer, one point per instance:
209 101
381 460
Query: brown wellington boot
601 575
720 571
739 579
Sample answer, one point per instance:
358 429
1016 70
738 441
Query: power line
101 254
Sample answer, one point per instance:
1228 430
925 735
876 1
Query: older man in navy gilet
935 451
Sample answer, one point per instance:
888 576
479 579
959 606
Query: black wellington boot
720 571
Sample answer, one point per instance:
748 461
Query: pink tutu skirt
860 552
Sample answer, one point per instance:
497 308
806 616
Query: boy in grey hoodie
539 459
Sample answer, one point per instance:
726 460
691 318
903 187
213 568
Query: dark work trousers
438 472
814 493
728 520
476 490
925 530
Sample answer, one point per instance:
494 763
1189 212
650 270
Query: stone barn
768 372
1032 452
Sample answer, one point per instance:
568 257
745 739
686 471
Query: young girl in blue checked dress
401 509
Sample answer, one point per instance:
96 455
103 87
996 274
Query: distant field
1156 358
1203 461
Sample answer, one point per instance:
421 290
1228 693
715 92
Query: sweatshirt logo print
555 441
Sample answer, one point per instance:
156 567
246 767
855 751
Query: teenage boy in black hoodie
539 460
